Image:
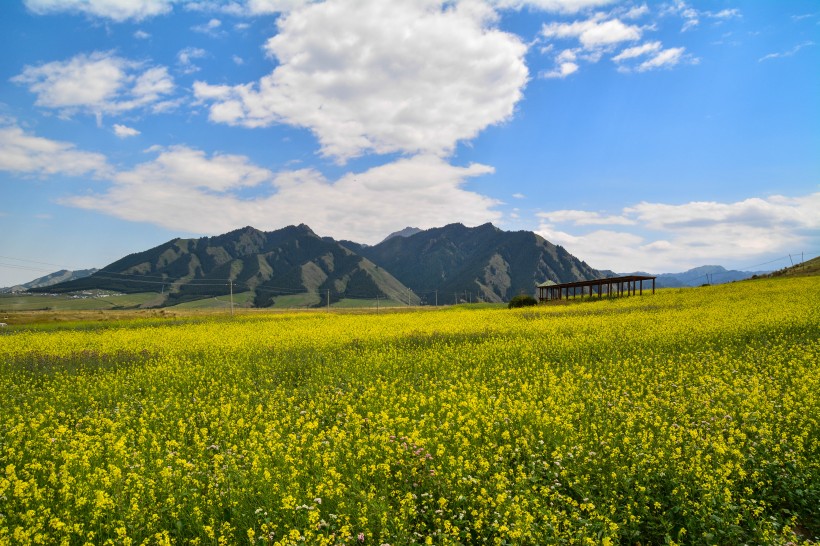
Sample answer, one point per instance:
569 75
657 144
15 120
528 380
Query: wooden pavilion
611 287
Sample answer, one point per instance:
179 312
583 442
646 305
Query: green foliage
522 300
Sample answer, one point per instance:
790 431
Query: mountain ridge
49 280
482 263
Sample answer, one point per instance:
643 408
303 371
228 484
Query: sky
651 136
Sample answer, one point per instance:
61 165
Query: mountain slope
481 263
289 261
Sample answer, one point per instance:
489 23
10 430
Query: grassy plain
690 417
65 302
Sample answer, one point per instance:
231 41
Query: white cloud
562 71
657 57
185 59
593 32
562 6
602 34
124 131
99 83
667 238
344 74
184 189
637 51
663 59
725 14
636 12
24 153
788 53
141 35
116 10
211 28
122 10
692 16
271 7
258 7
189 169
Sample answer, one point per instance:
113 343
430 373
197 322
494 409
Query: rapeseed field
687 417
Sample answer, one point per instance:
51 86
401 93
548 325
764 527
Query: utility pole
230 283
408 297
436 298
377 304
328 299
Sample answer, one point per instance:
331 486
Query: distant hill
706 274
456 262
480 263
289 261
49 280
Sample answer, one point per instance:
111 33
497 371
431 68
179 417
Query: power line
31 261
25 268
156 282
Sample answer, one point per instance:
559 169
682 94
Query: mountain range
705 274
448 264
295 266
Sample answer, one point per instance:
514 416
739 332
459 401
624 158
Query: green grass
297 301
242 299
63 302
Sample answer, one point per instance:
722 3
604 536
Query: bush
522 300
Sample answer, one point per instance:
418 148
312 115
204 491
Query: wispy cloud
212 28
613 34
186 57
638 51
692 17
788 53
594 32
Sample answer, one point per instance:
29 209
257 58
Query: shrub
522 300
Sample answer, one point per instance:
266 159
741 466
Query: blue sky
651 136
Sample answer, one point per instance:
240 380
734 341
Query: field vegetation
687 417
